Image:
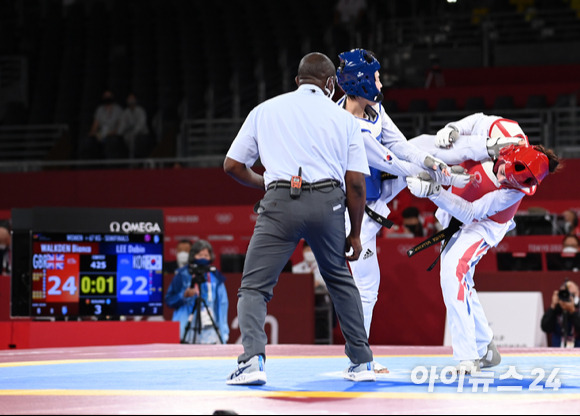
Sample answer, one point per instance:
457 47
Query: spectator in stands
5 243
350 18
181 256
104 139
413 222
435 77
562 320
309 265
570 244
570 222
133 128
199 278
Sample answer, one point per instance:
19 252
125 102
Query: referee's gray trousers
318 216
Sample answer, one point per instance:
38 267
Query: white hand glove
494 145
431 162
423 186
447 136
459 177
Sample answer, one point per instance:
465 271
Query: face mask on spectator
202 262
309 257
182 258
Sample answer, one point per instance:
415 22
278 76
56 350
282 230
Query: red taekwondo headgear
525 167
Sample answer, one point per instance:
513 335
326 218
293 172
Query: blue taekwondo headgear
356 74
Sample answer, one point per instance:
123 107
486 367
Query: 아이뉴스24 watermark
483 381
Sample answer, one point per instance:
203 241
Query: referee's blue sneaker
360 372
250 373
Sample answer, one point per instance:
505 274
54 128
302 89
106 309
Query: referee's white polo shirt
303 128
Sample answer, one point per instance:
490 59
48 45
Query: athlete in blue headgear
388 151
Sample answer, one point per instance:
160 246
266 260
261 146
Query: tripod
196 328
567 340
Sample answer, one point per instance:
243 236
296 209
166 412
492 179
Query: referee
315 164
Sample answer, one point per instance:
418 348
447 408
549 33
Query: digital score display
96 275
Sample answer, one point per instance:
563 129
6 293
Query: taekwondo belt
378 217
442 236
375 215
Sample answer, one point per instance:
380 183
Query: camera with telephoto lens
564 295
198 273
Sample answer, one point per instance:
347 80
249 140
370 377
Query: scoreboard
98 262
96 274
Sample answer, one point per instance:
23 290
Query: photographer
190 280
562 320
5 242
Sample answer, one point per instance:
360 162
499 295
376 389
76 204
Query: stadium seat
503 102
390 106
446 104
519 261
565 100
536 101
418 106
474 104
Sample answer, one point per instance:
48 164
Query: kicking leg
457 263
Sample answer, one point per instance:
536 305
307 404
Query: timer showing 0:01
100 285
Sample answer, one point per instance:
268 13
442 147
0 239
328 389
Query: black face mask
416 230
107 101
202 262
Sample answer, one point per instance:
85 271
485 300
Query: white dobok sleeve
482 208
466 125
381 158
466 148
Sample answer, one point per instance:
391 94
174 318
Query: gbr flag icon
55 261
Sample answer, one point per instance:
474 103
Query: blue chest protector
374 128
373 185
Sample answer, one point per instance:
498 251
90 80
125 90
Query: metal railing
557 128
469 29
204 143
29 143
210 136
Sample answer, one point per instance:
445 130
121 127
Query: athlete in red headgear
523 167
485 208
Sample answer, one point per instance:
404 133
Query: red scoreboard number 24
62 276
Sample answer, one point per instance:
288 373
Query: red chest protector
481 185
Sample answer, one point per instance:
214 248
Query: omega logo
135 227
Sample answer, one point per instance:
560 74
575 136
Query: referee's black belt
330 183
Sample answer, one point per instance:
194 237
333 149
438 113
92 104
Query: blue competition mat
518 373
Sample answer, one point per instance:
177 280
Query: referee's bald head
315 68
